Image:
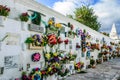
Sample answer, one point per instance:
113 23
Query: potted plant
4 12
24 17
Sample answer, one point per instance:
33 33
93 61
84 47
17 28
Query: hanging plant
24 17
4 11
36 57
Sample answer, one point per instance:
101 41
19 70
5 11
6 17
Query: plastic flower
52 39
55 54
58 25
4 11
59 40
66 41
24 17
47 55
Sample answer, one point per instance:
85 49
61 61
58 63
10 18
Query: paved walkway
105 71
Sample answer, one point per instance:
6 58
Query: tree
86 16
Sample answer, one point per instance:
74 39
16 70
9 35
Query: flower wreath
36 57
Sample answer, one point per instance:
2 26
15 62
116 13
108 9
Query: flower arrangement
66 41
112 43
52 40
36 40
63 72
52 25
77 46
95 46
24 17
44 40
70 26
47 56
4 11
24 76
78 66
83 42
59 40
104 46
92 62
52 69
35 74
72 33
44 73
36 57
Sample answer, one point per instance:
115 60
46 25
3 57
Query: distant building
113 33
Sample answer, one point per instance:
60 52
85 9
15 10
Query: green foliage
99 55
63 73
86 16
24 73
92 62
24 17
29 40
4 11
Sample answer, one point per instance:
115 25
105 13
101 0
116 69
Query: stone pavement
105 71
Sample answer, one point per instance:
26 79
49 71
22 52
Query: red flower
25 14
66 41
43 72
52 39
59 40
71 27
36 69
77 46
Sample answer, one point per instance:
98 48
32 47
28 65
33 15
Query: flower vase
2 18
23 25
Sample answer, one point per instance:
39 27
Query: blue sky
106 10
49 3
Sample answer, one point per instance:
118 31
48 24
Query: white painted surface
14 26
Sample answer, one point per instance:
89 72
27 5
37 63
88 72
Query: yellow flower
49 69
50 22
55 54
58 25
47 55
57 64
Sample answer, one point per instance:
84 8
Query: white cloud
107 10
68 6
64 7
